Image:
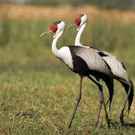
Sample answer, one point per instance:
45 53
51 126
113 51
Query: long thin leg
109 83
77 103
100 107
101 95
101 102
127 87
124 106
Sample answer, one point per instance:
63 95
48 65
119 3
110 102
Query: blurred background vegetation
117 4
36 90
20 36
109 36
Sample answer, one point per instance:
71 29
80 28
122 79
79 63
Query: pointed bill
44 33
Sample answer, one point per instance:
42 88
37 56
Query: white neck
55 50
78 36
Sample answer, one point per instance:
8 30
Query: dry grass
43 12
37 92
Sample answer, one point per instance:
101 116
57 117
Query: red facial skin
53 28
78 21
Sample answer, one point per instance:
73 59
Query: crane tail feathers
131 94
129 88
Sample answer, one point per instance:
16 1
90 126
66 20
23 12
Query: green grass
37 91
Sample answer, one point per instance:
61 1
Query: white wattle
63 53
66 56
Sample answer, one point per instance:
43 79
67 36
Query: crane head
80 20
55 28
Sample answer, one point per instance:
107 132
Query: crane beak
44 33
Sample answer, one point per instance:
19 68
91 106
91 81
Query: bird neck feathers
55 50
78 36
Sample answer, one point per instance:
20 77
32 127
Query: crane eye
81 15
57 22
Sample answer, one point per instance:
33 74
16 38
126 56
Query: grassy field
36 90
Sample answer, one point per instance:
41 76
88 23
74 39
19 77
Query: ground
38 92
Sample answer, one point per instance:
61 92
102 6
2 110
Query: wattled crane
118 69
86 62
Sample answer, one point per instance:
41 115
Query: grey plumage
118 68
92 59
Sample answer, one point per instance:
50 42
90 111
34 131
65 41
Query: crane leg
110 85
124 106
130 93
77 103
101 102
100 106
